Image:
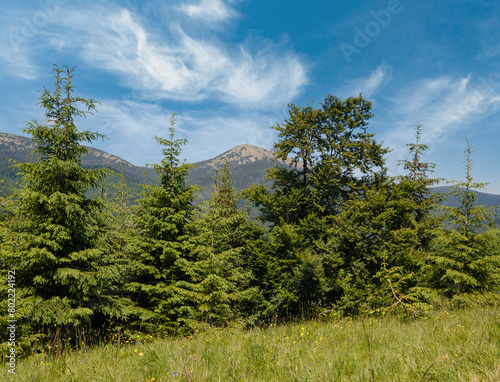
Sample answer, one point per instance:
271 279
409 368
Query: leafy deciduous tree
330 151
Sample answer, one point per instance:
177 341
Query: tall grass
462 345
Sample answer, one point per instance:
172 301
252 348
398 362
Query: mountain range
248 163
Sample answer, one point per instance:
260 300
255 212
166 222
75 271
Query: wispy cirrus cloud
209 10
162 61
17 65
446 103
490 52
443 105
178 66
370 84
15 45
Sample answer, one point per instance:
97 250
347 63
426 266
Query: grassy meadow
459 345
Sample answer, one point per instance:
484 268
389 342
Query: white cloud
443 105
181 67
15 46
262 79
368 85
210 10
17 64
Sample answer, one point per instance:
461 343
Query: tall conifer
65 271
162 218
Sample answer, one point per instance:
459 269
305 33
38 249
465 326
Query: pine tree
162 218
467 258
65 271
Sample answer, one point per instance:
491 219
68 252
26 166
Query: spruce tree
65 272
162 219
418 180
217 281
467 256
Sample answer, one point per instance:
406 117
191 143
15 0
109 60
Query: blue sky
229 68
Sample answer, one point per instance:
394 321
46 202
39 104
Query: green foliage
339 233
467 255
123 234
378 242
417 177
328 146
66 273
120 208
288 271
374 246
333 158
162 219
217 281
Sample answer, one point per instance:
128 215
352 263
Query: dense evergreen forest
334 232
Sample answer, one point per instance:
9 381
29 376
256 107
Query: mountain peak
247 153
240 155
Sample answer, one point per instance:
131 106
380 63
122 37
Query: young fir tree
418 181
218 279
467 257
65 271
123 225
162 218
370 254
122 233
426 221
